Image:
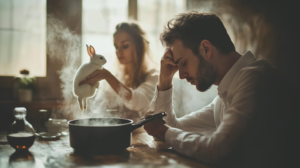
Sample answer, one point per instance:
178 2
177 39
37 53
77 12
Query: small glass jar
42 121
21 134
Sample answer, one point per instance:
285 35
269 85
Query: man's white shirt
212 132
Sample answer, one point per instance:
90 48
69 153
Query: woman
139 81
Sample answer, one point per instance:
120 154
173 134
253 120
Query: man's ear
205 49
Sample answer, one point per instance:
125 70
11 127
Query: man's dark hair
193 27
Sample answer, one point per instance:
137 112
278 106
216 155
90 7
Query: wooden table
144 152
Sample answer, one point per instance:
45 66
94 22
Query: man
234 129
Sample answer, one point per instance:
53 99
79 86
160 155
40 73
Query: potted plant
26 86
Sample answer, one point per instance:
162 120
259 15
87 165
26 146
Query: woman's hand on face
94 77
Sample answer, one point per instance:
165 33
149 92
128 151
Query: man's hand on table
156 128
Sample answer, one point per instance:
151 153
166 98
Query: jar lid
43 110
20 112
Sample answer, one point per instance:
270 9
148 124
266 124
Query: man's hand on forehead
168 56
170 53
167 70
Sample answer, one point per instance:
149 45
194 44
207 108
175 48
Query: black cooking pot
104 135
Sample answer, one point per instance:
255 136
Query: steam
64 46
100 122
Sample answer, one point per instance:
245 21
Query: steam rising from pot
64 46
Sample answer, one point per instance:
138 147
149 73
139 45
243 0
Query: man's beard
206 75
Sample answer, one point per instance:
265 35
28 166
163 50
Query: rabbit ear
92 50
88 50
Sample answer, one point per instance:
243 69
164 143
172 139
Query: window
153 16
22 37
99 19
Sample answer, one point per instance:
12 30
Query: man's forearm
164 85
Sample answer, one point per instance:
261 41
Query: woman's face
124 47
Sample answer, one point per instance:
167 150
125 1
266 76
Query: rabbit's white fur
86 90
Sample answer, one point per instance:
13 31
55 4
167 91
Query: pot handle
150 118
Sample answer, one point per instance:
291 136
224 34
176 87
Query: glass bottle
21 134
42 125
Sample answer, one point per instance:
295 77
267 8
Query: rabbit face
95 59
98 59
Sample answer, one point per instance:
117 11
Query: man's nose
182 74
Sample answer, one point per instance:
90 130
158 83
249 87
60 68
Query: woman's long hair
139 67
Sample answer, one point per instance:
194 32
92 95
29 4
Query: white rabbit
86 91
